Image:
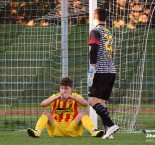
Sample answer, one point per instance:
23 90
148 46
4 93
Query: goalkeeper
65 119
102 70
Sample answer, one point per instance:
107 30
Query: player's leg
45 119
56 130
33 133
84 119
113 128
97 93
74 130
106 120
102 111
110 128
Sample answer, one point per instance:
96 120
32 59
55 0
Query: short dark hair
101 14
66 81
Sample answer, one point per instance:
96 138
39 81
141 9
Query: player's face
95 18
65 89
65 92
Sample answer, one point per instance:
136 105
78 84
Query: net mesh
31 56
129 22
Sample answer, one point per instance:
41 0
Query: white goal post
64 40
92 7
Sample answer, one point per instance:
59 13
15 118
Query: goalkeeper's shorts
102 85
64 129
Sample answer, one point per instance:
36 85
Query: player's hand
65 97
58 97
91 73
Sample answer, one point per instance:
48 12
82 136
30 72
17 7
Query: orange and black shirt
65 111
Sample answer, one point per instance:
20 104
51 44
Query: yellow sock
41 123
88 123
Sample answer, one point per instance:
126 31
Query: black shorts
102 85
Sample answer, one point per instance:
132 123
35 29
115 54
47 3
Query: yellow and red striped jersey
65 111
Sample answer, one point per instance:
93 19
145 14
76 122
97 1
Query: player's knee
103 103
82 113
47 114
91 101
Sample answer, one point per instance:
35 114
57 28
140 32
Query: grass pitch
21 138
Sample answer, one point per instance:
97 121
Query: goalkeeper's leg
99 93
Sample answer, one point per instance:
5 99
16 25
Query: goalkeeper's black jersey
102 36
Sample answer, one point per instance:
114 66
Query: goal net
129 22
41 41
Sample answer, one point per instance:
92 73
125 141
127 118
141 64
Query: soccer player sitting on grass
65 119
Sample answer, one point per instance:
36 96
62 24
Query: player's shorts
64 129
102 85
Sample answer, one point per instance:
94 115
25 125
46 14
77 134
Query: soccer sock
104 114
87 123
41 123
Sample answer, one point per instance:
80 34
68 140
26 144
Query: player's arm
80 101
93 54
49 100
94 48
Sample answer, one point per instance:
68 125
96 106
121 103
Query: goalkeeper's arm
93 54
93 59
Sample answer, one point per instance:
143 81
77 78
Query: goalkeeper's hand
91 73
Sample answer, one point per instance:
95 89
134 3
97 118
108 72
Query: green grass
21 138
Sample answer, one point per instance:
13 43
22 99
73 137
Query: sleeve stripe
93 41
